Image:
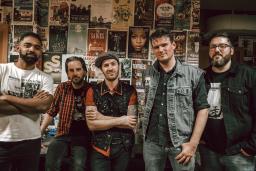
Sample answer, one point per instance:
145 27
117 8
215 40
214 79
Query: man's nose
161 48
31 48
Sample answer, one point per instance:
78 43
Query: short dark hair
32 34
75 58
160 32
222 34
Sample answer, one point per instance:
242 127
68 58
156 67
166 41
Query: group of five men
186 107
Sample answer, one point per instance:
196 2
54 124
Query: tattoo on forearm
132 110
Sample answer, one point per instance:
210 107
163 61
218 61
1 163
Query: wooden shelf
3 43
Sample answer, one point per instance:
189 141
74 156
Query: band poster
101 16
42 10
126 68
18 30
144 13
164 13
195 15
117 42
80 11
58 12
44 34
180 40
138 66
193 48
182 15
97 41
23 11
58 39
77 38
123 12
52 66
6 3
138 42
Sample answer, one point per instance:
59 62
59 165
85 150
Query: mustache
217 54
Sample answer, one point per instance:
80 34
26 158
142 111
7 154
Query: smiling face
138 39
110 69
220 51
163 49
30 50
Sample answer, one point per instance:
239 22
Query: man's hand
41 95
129 121
244 153
92 114
188 151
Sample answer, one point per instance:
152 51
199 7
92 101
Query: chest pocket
237 95
184 97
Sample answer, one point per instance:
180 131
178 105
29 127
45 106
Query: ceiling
212 8
237 5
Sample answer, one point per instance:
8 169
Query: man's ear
232 51
174 45
16 47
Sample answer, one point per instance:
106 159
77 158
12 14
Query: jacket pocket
238 96
184 114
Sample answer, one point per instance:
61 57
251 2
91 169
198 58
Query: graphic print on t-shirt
79 108
22 87
214 99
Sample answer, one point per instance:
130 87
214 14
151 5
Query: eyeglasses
221 46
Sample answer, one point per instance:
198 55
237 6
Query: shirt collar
175 71
104 89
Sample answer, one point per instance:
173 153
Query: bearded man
25 93
229 139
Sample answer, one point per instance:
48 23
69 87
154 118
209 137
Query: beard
219 61
111 78
29 58
77 81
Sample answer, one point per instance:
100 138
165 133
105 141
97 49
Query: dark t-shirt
215 135
78 125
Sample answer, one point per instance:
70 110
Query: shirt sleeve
89 100
200 95
54 108
47 84
133 98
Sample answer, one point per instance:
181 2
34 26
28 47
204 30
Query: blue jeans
117 161
59 148
22 155
212 161
155 158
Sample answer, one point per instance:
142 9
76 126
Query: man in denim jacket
176 108
229 140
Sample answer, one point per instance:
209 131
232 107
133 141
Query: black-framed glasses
221 46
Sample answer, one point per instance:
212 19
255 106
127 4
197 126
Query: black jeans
117 161
22 155
59 148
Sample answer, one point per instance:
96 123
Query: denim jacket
238 94
183 101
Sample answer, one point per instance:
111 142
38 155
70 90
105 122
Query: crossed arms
97 121
39 103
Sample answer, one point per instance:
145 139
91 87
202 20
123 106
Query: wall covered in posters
87 28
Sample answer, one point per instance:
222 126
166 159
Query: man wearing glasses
25 93
229 140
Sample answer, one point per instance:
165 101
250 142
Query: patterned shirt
64 105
